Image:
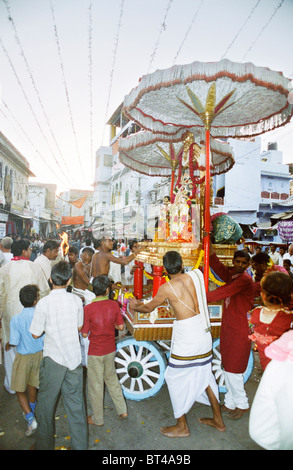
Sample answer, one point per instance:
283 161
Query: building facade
15 214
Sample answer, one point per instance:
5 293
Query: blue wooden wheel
140 366
218 369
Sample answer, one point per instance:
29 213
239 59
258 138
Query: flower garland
211 275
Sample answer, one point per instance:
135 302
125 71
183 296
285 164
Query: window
108 160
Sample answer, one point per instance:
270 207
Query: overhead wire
29 104
241 28
163 28
38 154
262 30
188 30
55 174
113 64
65 87
10 18
90 65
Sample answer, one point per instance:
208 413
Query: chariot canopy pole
207 218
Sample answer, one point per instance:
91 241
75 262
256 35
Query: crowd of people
59 318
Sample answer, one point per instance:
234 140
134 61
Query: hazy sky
66 65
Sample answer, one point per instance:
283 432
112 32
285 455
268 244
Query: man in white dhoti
189 374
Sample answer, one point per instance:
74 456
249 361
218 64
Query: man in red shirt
238 296
101 317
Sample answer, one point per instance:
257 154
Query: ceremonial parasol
225 99
159 155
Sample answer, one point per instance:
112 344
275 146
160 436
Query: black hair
73 249
100 284
88 250
172 262
50 245
261 258
278 287
61 273
28 295
131 243
18 246
241 254
97 243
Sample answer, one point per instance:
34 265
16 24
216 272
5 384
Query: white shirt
7 257
45 264
271 414
59 315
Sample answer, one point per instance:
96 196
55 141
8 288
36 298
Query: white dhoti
189 371
88 296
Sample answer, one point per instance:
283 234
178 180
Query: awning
283 215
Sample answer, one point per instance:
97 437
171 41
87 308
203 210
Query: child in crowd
269 322
101 317
60 316
29 351
287 265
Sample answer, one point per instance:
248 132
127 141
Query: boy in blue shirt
26 365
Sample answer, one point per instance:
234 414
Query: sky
66 66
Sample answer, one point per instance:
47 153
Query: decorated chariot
177 109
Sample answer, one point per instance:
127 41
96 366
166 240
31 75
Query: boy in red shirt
101 317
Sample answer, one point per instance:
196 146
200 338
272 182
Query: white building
15 215
42 199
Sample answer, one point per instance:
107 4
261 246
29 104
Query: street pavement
141 431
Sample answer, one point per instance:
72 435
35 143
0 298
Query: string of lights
188 31
90 60
35 87
163 28
29 104
55 175
242 27
116 41
262 30
65 86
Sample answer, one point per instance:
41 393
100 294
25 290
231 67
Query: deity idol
164 219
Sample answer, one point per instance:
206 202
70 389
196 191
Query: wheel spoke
124 354
139 354
123 379
140 385
132 385
148 381
147 358
121 361
150 373
132 352
151 364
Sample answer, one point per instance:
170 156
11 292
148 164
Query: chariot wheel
140 366
218 368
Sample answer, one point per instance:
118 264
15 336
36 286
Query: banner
72 220
285 228
79 202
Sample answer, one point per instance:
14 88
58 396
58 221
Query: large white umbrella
225 99
160 155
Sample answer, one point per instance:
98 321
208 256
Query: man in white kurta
13 276
189 374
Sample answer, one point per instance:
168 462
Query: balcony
274 195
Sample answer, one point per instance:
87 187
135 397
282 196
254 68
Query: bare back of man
181 294
101 259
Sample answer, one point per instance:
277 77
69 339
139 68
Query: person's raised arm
158 300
